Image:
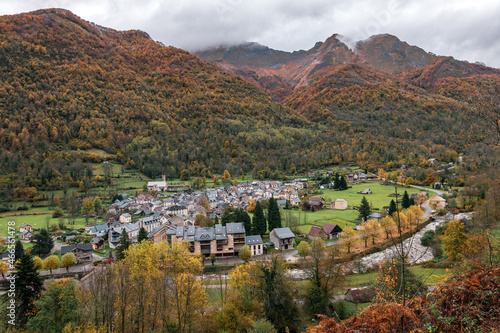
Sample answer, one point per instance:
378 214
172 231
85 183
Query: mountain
280 73
69 87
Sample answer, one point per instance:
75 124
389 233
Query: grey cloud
463 29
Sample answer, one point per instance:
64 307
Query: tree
387 223
38 262
392 208
277 296
57 212
420 198
273 214
259 221
262 326
97 204
245 253
347 239
184 175
57 308
43 243
228 216
251 206
87 207
215 180
67 260
4 268
51 263
454 239
240 215
406 200
143 235
323 274
396 282
304 249
123 245
364 209
372 228
213 258
18 250
29 286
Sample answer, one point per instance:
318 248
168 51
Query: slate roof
66 249
235 228
253 240
283 233
315 231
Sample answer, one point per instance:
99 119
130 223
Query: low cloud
463 29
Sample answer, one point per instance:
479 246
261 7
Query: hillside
69 86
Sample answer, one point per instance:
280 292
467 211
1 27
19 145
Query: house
362 177
365 191
99 229
316 202
149 223
256 245
296 202
26 235
437 202
25 227
350 178
163 233
316 232
219 240
281 203
125 218
97 244
88 227
311 174
157 186
177 209
114 234
82 252
331 230
375 216
282 238
360 295
338 204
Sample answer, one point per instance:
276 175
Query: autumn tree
51 263
304 249
245 253
67 260
38 262
347 239
87 207
4 268
372 228
387 224
454 239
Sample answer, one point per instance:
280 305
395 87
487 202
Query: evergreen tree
392 208
123 245
259 221
364 209
343 183
28 285
273 214
412 202
216 220
240 215
143 235
336 184
406 200
228 216
43 243
18 249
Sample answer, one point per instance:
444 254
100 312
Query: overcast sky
467 30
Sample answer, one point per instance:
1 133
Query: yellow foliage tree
454 239
348 239
51 263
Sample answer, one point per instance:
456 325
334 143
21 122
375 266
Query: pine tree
343 183
364 209
29 286
392 208
228 216
18 249
143 235
412 202
336 184
43 243
259 221
240 215
123 245
273 214
406 201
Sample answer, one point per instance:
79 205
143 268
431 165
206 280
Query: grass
105 252
37 222
214 296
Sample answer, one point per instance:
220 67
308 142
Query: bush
22 208
58 212
340 310
428 238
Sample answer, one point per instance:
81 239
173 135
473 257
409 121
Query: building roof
315 231
66 249
84 246
235 228
329 228
283 233
253 240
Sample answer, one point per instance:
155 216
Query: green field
344 218
37 222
